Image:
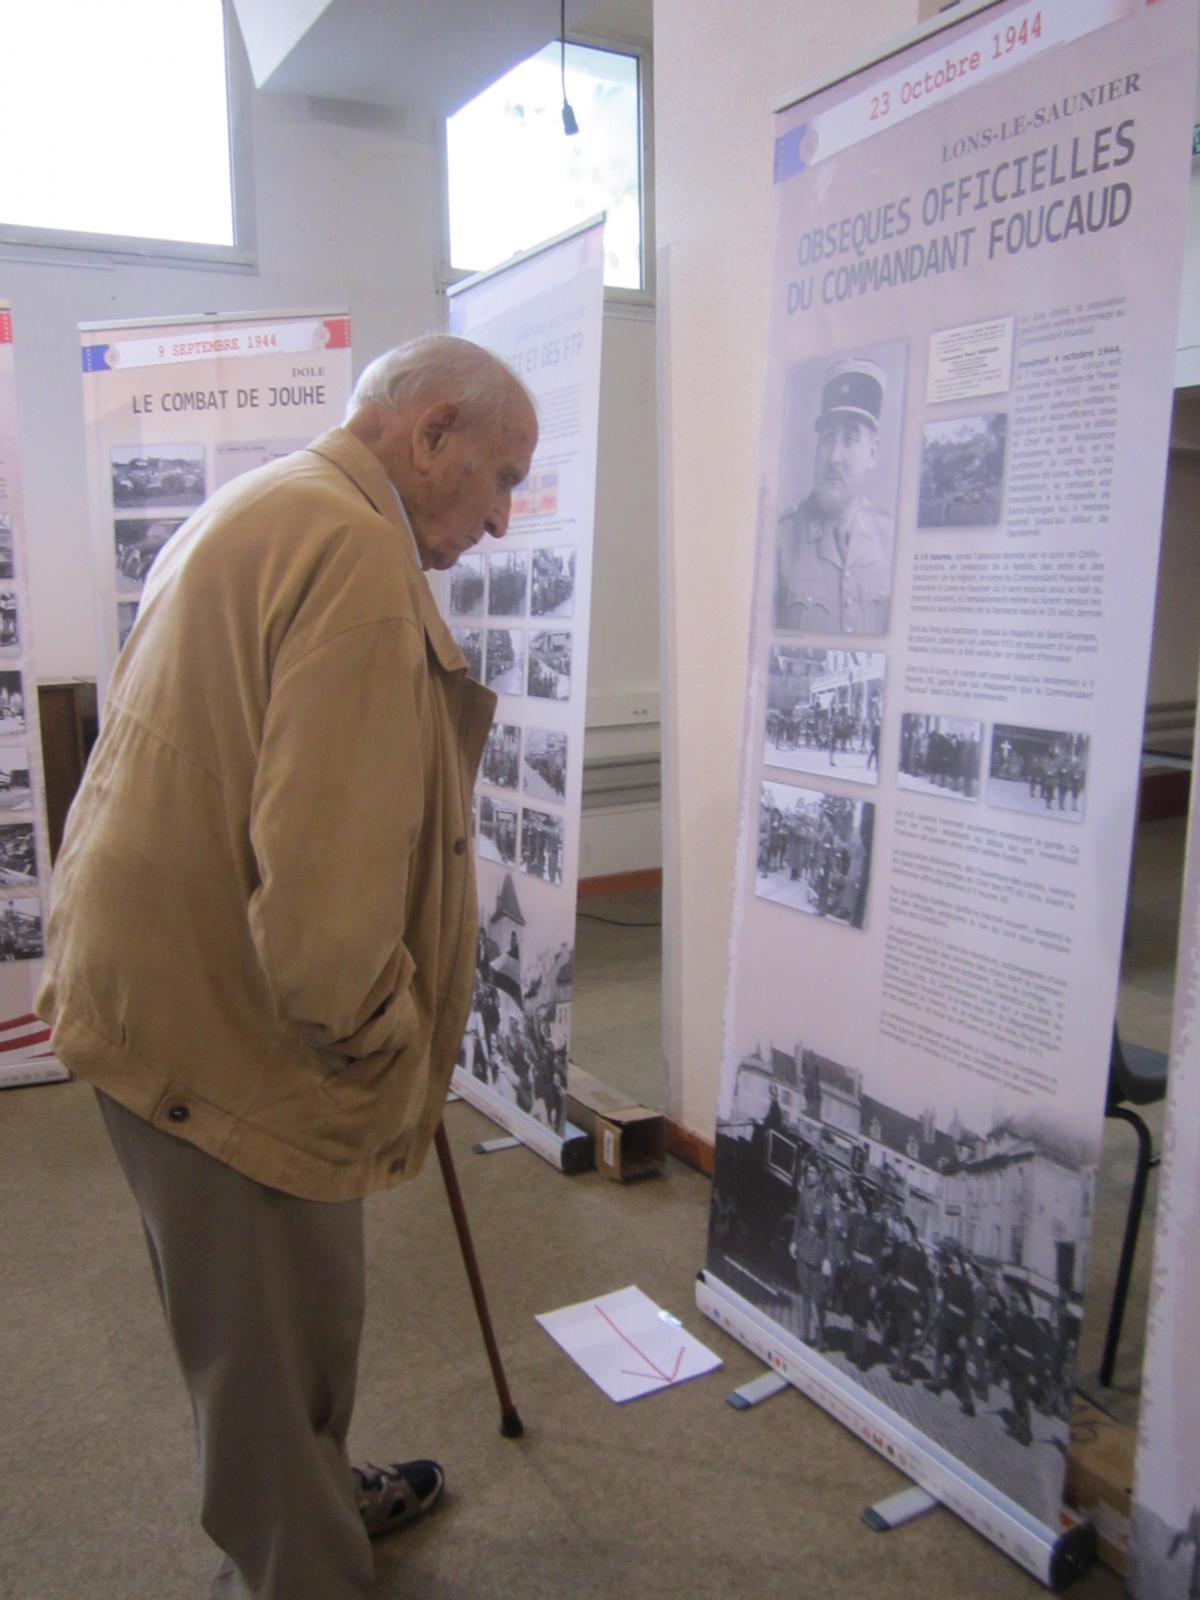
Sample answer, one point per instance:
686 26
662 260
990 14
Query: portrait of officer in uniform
833 571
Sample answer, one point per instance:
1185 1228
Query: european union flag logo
95 358
788 159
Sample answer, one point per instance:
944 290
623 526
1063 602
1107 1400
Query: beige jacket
264 916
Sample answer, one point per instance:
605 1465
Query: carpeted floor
674 1495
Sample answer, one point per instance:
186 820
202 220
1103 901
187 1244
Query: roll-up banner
520 611
25 1054
1165 1544
974 301
175 409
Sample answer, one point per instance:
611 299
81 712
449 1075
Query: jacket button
178 1113
460 846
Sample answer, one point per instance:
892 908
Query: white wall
719 70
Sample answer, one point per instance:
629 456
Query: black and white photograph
504 662
544 768
238 456
517 1033
1041 771
836 495
824 711
550 665
909 1252
508 583
814 852
10 627
501 764
164 475
553 593
7 567
468 587
15 793
962 472
127 611
21 929
18 863
12 703
940 755
497 830
138 541
542 845
470 642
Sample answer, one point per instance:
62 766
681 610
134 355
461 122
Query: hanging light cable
569 123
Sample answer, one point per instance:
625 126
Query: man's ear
433 427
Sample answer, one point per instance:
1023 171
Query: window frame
72 246
614 45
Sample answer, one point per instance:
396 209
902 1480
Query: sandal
391 1498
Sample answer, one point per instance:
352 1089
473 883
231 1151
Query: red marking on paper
656 1370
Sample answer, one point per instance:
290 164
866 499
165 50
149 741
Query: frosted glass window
515 177
114 119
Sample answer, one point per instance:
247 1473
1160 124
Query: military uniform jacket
817 589
263 931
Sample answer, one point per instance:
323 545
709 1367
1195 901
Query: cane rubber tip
511 1425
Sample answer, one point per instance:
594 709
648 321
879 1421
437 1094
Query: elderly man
263 934
833 569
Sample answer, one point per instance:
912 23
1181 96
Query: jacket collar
366 473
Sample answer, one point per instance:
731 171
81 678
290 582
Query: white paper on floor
627 1345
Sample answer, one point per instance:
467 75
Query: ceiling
409 54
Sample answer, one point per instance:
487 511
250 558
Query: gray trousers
263 1296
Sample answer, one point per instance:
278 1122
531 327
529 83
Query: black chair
1137 1076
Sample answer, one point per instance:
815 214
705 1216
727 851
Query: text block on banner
175 410
520 611
25 1055
967 408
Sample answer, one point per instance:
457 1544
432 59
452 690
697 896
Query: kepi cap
853 388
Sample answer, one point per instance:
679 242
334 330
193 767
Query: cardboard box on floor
631 1140
1100 1478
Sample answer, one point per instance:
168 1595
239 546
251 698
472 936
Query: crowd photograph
825 711
553 592
497 831
18 861
21 930
12 703
550 666
470 642
14 779
814 852
137 542
940 755
942 1267
545 764
467 586
962 472
7 569
501 764
10 633
1040 771
142 479
542 846
517 1032
508 583
504 661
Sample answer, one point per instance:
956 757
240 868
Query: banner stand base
24 1074
1055 1556
574 1152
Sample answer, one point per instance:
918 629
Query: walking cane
511 1425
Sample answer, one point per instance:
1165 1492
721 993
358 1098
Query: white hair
439 368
